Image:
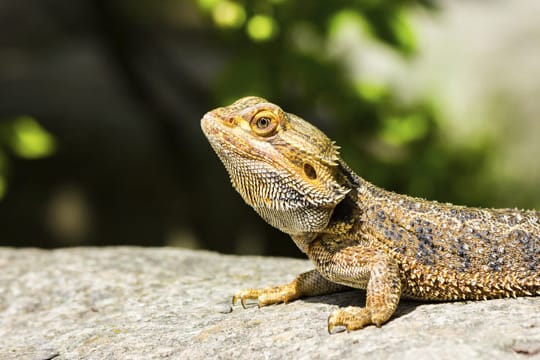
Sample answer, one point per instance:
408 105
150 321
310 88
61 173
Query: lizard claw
332 324
249 294
352 318
242 298
267 296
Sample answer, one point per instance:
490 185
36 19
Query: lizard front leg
365 268
310 283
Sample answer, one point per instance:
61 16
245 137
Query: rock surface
155 303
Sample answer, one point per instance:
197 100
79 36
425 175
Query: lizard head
282 166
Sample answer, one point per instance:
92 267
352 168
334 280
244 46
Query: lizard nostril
310 171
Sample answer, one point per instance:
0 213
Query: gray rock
148 303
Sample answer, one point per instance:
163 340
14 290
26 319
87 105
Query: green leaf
403 32
402 130
228 14
29 140
349 21
261 28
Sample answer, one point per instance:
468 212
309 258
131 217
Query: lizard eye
264 123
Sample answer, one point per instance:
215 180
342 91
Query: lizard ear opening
310 172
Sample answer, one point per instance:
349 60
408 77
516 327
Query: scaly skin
358 235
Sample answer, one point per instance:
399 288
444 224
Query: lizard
358 235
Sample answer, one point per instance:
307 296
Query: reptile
358 235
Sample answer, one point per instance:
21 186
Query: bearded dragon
359 235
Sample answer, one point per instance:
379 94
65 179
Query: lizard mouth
218 134
209 126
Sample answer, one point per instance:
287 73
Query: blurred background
100 102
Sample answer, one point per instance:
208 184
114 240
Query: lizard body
361 236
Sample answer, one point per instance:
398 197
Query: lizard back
455 252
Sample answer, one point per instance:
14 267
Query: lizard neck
347 216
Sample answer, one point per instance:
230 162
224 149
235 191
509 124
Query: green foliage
279 49
261 28
28 139
24 138
398 130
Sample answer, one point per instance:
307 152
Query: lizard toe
244 295
352 318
